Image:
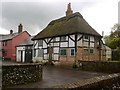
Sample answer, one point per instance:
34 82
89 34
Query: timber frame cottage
70 39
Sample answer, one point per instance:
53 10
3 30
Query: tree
113 41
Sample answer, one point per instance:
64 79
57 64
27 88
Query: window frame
63 38
92 51
71 51
62 50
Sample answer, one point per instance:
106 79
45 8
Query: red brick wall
8 49
81 56
16 41
11 45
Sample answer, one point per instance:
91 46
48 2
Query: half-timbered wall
63 48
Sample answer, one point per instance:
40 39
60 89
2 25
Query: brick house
24 51
10 41
70 39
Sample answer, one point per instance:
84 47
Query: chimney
11 31
69 11
20 28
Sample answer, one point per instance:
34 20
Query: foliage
113 41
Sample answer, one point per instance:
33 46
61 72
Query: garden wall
100 66
15 74
107 82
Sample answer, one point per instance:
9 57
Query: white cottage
69 39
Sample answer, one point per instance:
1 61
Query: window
40 43
63 51
34 52
63 38
72 52
91 50
54 39
85 51
86 37
4 43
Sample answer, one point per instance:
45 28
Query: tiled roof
8 36
27 41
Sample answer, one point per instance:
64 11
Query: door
21 58
50 53
28 55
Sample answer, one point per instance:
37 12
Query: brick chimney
69 10
11 31
20 28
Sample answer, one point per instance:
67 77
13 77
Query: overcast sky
36 14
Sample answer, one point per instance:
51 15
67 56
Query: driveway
55 76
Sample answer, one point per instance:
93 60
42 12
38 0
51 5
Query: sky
35 15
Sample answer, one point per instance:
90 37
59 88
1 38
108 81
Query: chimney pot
20 28
11 31
69 10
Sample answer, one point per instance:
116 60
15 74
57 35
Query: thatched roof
68 25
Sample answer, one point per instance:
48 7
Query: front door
50 53
28 55
21 58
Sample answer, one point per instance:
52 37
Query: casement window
63 51
40 43
85 51
5 43
63 38
72 51
86 37
91 51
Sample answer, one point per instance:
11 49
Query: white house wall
44 44
45 56
79 43
23 58
56 49
72 36
56 44
85 44
92 38
64 44
18 57
92 44
56 56
71 43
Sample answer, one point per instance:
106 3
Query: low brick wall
100 66
97 83
15 74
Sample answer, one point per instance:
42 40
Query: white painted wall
56 50
44 44
92 44
79 43
72 36
56 56
85 44
18 53
92 38
64 44
108 53
71 43
56 44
